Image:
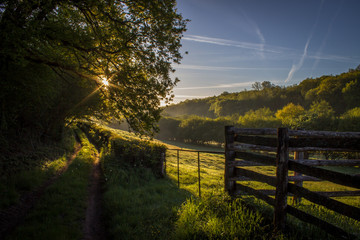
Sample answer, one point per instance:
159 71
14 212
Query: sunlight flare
105 82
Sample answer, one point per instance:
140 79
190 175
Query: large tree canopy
56 54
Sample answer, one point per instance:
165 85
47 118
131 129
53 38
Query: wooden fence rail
242 147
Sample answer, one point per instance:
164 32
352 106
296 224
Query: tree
290 115
260 118
320 116
256 86
351 93
350 120
131 44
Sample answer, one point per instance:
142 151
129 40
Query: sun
105 82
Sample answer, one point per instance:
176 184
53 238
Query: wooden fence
246 147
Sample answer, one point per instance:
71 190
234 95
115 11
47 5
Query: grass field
212 181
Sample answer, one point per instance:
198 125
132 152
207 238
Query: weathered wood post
229 157
282 158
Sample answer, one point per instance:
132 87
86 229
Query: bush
128 150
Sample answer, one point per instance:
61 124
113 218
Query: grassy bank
60 213
28 168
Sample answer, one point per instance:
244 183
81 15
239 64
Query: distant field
212 181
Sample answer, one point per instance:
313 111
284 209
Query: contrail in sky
231 85
296 67
323 43
217 68
224 42
257 31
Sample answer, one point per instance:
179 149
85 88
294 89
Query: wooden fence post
282 158
229 156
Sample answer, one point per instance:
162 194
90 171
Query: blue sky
234 43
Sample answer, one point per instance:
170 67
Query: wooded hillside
324 103
340 91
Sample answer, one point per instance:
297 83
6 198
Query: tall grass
219 217
212 171
35 167
137 204
60 213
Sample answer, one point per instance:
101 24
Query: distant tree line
324 103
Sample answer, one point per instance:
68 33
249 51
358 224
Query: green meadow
212 183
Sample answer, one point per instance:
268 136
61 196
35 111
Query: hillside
340 91
324 103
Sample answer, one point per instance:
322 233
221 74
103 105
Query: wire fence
198 164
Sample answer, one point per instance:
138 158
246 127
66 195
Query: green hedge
126 148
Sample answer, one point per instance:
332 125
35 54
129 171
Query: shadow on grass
141 206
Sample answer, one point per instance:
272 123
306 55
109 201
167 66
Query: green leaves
131 43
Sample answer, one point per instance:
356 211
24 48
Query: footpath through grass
60 213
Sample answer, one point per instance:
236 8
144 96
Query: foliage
193 129
200 107
350 120
320 116
128 150
55 54
260 118
290 115
340 91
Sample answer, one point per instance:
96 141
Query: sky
233 43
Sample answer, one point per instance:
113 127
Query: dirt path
94 226
14 215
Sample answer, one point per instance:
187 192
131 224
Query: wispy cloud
257 31
189 96
318 56
216 68
296 67
334 58
225 42
230 85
